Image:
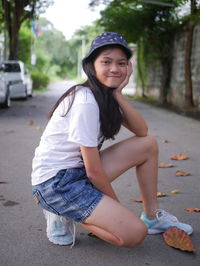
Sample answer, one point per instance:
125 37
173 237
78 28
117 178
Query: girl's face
111 67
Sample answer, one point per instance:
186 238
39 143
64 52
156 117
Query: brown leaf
3 182
165 165
179 157
177 238
31 122
192 209
137 200
159 195
182 173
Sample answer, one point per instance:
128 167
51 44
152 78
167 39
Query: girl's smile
111 67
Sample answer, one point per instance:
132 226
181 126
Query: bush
40 80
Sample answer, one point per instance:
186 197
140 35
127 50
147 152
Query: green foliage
151 27
58 56
25 40
42 62
148 99
40 80
1 18
141 67
155 24
14 13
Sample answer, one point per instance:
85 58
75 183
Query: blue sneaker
60 231
162 222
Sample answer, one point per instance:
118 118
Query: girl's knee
151 144
135 237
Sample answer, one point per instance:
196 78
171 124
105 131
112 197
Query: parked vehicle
17 78
5 101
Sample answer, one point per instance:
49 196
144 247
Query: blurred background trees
151 25
14 13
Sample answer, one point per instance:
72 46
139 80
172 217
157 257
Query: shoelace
161 215
71 224
72 229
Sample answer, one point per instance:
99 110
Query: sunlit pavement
23 240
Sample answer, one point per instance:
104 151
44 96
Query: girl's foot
60 231
162 222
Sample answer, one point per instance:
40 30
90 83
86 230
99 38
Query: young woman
72 178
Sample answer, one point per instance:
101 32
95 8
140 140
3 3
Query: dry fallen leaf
175 191
31 122
164 141
182 173
165 165
137 200
38 128
179 157
192 209
177 238
159 195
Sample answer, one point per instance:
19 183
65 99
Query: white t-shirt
59 146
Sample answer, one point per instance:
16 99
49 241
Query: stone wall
177 82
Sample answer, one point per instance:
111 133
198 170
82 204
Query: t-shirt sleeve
84 124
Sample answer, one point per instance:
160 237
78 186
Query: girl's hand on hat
126 80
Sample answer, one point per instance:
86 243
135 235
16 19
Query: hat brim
129 53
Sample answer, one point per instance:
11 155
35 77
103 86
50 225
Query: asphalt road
23 240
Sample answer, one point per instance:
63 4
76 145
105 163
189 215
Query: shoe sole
154 232
60 243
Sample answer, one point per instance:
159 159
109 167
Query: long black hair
110 115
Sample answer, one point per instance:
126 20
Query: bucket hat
108 38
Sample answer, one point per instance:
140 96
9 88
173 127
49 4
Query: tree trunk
14 43
15 14
188 54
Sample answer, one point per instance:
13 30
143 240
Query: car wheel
26 94
31 94
7 102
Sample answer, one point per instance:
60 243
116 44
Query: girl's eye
123 64
105 62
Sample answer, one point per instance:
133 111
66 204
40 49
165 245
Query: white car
4 92
17 78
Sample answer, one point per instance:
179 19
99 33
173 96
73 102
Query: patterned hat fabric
106 39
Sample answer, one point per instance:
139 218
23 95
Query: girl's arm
95 172
132 119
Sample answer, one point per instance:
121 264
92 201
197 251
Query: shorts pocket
39 199
72 184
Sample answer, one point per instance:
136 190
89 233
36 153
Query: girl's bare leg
115 224
110 220
141 152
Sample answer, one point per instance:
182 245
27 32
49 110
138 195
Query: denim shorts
69 194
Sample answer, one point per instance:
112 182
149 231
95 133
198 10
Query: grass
148 99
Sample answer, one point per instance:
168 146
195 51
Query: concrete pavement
22 227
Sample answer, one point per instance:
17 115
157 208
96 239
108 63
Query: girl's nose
114 68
